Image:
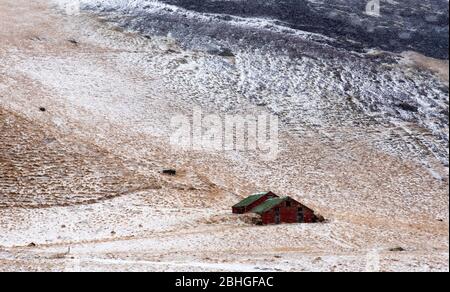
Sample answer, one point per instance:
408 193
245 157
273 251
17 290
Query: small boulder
222 52
226 53
169 172
397 249
408 107
73 42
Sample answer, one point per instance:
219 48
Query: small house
284 210
251 202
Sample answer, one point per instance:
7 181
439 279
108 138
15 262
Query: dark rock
397 249
408 107
42 109
224 52
169 171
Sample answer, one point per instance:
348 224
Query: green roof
250 200
269 204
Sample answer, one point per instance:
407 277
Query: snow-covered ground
81 180
308 76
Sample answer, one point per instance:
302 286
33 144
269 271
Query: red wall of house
309 216
288 214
